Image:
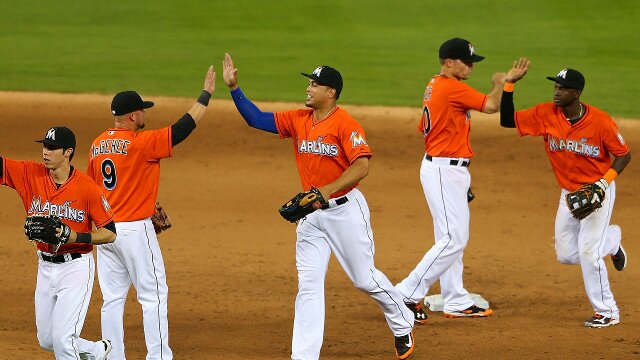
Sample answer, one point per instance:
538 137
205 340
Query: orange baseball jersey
325 150
579 153
78 202
126 164
445 122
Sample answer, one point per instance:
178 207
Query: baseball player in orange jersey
445 125
125 162
579 140
332 154
65 274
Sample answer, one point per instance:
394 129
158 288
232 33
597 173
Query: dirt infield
230 258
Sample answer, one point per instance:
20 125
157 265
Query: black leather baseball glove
47 229
302 205
585 200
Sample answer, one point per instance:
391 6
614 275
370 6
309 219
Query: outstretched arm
507 109
249 111
183 127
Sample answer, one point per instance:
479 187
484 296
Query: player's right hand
229 72
210 80
519 70
498 78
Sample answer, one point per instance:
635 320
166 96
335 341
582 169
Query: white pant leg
595 240
115 282
348 228
445 188
65 302
138 247
312 260
455 296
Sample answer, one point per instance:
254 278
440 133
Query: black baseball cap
457 48
127 102
569 78
59 136
327 76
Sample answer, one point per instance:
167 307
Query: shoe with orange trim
404 346
472 312
418 313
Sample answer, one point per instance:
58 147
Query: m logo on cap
563 74
51 134
471 50
317 71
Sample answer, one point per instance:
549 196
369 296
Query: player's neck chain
317 120
574 119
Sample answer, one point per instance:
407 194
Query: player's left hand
587 199
302 205
47 229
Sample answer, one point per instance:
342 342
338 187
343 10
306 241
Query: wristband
84 238
509 87
610 175
204 98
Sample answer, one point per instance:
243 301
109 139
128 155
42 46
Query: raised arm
185 125
250 112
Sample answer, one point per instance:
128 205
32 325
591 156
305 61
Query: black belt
452 162
59 259
339 201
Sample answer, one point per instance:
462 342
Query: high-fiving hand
519 70
229 72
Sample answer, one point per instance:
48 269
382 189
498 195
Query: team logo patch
317 71
471 49
427 93
51 134
105 204
620 138
357 139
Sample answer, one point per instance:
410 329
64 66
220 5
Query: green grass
386 50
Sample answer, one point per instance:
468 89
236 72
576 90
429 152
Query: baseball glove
302 205
160 219
585 200
47 229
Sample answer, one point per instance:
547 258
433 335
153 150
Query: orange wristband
610 175
509 87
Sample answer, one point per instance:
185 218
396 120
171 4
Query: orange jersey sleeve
445 122
126 165
324 150
578 153
78 202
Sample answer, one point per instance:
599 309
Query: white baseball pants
63 293
344 230
134 258
445 187
586 242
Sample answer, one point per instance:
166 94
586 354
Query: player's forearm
96 237
493 100
254 117
354 173
507 109
620 162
